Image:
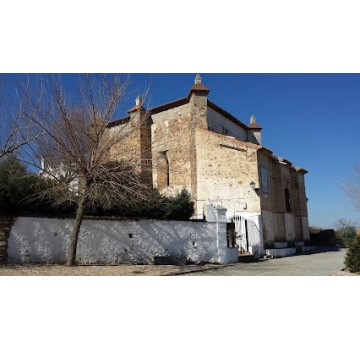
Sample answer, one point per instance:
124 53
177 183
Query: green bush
19 192
19 195
157 206
179 207
352 259
346 234
15 185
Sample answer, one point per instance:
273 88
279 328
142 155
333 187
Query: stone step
280 252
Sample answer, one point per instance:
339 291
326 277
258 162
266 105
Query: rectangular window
225 131
264 179
287 200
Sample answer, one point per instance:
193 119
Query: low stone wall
44 240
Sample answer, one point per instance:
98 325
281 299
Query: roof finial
138 101
253 124
198 79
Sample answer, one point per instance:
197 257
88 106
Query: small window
225 131
287 200
264 179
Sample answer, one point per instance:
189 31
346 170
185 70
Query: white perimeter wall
44 240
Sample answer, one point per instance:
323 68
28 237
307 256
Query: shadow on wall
39 240
43 240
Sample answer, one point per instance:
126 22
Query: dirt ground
121 270
345 272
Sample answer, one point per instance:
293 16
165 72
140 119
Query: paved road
323 263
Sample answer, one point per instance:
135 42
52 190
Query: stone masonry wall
279 224
199 120
133 144
171 138
225 169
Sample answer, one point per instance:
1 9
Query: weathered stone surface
171 150
279 224
225 169
200 147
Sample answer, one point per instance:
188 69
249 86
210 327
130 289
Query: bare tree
15 131
77 149
352 187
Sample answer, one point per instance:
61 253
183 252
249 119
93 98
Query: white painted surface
255 236
43 240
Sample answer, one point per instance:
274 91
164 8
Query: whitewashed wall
44 240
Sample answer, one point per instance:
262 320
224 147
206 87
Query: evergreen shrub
352 259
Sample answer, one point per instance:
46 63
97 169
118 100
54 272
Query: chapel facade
193 143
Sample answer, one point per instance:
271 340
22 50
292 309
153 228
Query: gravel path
323 263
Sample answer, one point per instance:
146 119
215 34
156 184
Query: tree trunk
75 232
